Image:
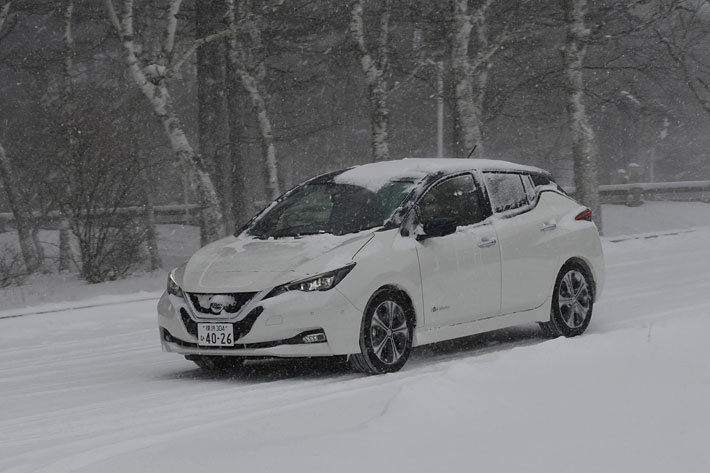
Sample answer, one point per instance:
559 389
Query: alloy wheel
573 299
389 332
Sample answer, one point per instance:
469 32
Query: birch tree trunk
24 220
211 109
268 143
250 72
470 73
375 67
4 12
584 152
235 117
152 82
30 247
151 237
68 124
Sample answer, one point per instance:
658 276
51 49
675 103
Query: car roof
375 175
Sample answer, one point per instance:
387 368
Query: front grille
212 305
241 328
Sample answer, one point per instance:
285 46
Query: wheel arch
587 268
412 311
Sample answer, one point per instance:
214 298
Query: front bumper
268 328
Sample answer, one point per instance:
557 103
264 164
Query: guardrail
635 193
178 213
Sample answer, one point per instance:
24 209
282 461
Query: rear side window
540 180
455 198
506 191
545 180
529 187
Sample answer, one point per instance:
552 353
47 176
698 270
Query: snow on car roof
374 176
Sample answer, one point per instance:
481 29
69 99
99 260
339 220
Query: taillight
586 214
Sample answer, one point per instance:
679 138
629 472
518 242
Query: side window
506 191
529 187
543 180
455 198
540 180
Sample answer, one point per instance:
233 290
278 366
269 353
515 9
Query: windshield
331 208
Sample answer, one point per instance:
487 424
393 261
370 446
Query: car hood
239 264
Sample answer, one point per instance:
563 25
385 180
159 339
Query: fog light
314 338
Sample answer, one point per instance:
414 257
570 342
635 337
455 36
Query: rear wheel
217 363
572 302
386 334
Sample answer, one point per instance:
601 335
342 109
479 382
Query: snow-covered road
89 390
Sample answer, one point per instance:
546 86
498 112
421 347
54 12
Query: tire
572 302
385 335
216 364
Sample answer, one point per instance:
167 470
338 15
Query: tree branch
4 13
176 65
383 40
169 44
485 56
127 22
113 17
357 29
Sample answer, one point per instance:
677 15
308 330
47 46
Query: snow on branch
169 44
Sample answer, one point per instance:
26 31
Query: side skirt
450 332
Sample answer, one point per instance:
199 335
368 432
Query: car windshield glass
330 208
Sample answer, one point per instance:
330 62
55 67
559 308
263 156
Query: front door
460 272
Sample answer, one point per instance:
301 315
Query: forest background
115 104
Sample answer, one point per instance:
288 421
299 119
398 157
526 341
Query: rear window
540 180
506 191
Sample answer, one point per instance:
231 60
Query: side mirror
438 227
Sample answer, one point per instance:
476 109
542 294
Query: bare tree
151 235
470 71
375 66
4 12
212 129
245 47
584 153
24 220
685 42
68 124
153 81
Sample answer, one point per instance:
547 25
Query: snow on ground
88 390
654 217
62 290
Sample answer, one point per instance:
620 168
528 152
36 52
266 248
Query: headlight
320 282
173 287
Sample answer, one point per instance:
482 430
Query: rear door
527 230
460 272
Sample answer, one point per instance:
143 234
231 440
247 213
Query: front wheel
572 303
386 335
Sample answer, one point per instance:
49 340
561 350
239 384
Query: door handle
486 242
548 226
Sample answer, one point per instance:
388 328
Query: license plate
215 335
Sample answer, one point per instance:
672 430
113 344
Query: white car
376 259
